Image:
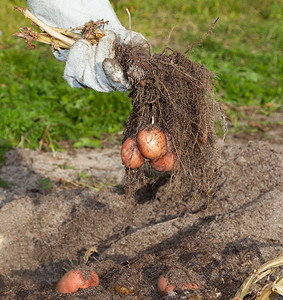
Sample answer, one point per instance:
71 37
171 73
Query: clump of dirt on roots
174 94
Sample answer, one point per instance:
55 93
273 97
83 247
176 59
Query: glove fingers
82 68
106 64
78 60
94 66
143 46
115 75
106 47
125 37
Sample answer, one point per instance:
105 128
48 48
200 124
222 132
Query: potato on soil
164 287
74 280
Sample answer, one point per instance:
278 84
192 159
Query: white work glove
90 66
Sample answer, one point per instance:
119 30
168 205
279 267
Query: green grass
244 52
3 184
44 184
33 96
4 147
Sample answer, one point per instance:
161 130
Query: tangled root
176 95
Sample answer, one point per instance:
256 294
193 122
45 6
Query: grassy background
243 51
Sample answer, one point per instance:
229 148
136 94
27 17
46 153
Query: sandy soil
47 226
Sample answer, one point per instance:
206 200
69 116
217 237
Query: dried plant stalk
59 37
30 35
272 289
45 27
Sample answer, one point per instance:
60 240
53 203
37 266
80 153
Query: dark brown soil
216 244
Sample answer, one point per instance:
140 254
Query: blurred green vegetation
244 51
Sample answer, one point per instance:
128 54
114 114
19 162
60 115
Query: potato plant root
175 94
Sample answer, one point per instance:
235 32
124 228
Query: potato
152 142
74 280
130 154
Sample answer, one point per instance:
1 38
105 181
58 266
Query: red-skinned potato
164 163
152 143
164 287
130 154
74 280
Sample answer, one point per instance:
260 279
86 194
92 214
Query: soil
48 226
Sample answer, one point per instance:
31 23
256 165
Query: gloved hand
87 65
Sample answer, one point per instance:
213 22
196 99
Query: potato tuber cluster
152 144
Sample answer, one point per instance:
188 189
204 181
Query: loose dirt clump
176 95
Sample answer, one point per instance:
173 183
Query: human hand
95 66
90 66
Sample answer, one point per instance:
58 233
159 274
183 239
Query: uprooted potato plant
171 93
176 95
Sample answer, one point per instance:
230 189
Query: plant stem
45 27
